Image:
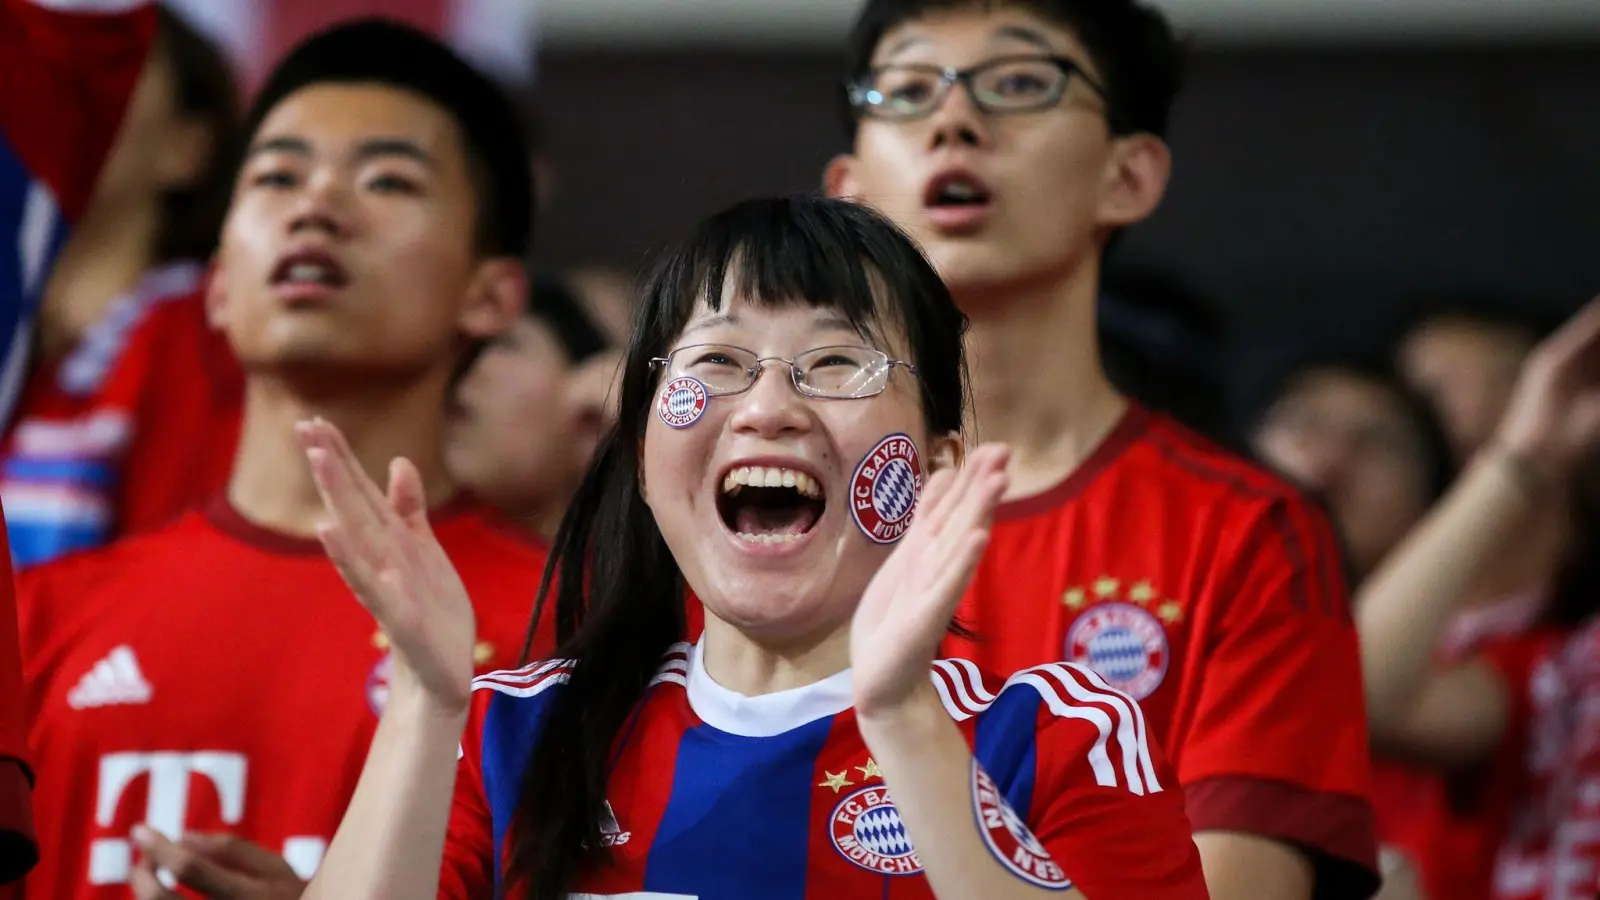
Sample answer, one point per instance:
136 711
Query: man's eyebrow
368 149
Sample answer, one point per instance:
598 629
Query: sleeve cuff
19 850
1337 830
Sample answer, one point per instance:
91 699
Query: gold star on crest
870 770
1105 586
482 652
1170 612
1074 598
836 781
1142 592
380 640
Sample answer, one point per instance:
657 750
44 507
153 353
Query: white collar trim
767 714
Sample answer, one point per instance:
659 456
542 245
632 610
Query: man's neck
1037 383
105 257
271 482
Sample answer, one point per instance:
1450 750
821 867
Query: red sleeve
469 859
66 78
1273 740
18 849
1104 805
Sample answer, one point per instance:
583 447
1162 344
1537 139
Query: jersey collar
768 714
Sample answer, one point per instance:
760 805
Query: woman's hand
906 610
387 554
1553 417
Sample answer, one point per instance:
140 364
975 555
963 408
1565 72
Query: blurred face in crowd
158 148
351 240
1351 440
526 420
1467 370
998 198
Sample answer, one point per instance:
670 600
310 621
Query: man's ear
945 452
1135 180
494 300
839 179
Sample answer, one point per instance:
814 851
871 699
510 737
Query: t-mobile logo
111 859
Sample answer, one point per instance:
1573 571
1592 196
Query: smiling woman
809 744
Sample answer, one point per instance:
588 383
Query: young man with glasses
1014 141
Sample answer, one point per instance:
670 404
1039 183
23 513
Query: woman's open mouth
769 504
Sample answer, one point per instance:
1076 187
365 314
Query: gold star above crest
1074 598
1142 592
1170 612
482 652
870 770
836 781
1105 586
380 640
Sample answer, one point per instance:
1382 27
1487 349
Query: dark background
1319 192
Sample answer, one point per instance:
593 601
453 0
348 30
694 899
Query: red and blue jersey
718 796
67 70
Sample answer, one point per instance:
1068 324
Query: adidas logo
611 834
113 680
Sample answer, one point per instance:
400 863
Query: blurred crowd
130 414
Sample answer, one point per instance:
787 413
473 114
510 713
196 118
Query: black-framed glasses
1009 84
832 373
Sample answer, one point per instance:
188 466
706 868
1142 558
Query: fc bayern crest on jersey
378 685
682 402
884 490
866 829
1124 644
1008 837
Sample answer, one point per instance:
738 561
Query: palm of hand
906 610
384 549
1554 412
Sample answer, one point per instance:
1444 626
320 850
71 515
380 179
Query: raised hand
1554 413
906 610
386 552
214 866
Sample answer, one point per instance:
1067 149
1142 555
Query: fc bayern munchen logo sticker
866 829
885 488
682 402
1122 643
1009 839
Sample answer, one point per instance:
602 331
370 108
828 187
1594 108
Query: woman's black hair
619 595
205 91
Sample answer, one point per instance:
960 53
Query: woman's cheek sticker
884 490
682 402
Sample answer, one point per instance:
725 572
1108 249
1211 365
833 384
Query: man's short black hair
1130 43
393 54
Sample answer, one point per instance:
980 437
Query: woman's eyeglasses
832 373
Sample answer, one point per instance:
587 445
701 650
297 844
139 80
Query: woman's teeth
770 477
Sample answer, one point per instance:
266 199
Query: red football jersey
1449 825
724 797
1213 593
129 429
215 676
1551 848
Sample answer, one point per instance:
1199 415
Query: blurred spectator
66 76
142 242
1465 360
1510 722
1357 436
377 230
528 413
